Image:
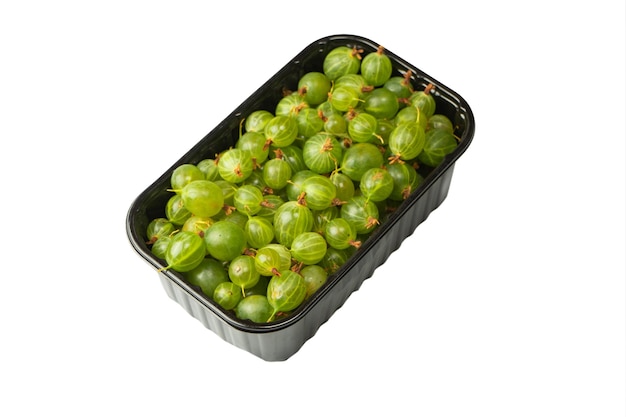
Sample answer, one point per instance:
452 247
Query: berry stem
407 78
371 222
241 127
297 267
302 199
355 243
327 146
406 192
357 52
395 159
268 204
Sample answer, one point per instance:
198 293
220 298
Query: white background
508 301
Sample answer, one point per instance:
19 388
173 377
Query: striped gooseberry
242 272
411 114
256 121
209 169
354 81
362 128
314 277
175 210
268 262
281 131
360 157
276 173
184 252
344 98
405 180
322 153
341 234
424 100
326 109
283 252
159 248
254 144
400 85
342 60
158 228
313 87
270 203
292 154
343 184
322 217
259 232
381 103
318 192
225 240
290 105
248 199
376 67
183 175
294 187
255 308
440 121
406 141
333 259
309 122
376 184
203 198
362 214
285 292
438 143
290 220
308 248
197 224
335 124
227 295
235 165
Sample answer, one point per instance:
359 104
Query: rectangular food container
279 340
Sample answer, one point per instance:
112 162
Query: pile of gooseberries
261 226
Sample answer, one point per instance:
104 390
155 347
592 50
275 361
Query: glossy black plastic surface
280 340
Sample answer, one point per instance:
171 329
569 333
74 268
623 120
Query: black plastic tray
279 340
